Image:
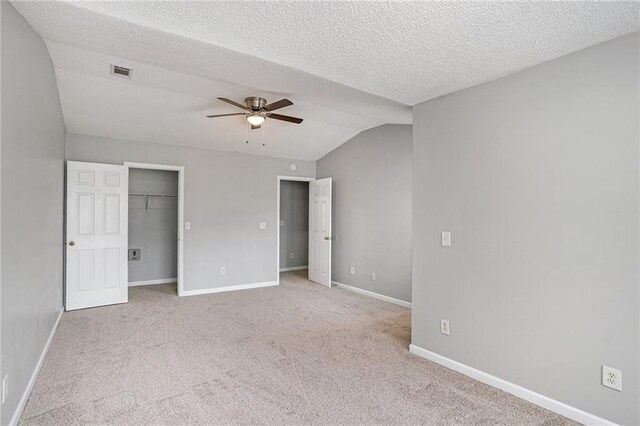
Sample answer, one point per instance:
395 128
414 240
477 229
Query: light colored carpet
299 353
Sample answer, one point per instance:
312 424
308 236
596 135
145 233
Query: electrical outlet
446 239
612 378
262 225
291 255
373 276
352 270
223 270
5 388
444 327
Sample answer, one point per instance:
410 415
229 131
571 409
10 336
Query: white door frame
280 179
180 170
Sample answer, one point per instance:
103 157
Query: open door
320 231
96 246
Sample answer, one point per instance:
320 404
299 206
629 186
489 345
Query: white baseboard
526 394
229 288
36 371
294 268
153 282
372 294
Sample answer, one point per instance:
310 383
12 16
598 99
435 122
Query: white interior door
320 231
96 249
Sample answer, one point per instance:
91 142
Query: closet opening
154 230
293 232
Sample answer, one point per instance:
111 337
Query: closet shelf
153 195
146 198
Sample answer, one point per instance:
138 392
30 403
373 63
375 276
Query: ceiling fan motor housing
255 103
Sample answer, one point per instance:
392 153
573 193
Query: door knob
72 243
327 238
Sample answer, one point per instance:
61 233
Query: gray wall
372 192
536 177
294 223
153 225
33 137
227 195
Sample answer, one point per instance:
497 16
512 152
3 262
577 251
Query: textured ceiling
347 66
164 106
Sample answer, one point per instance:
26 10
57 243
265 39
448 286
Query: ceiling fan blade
285 118
234 103
255 127
277 105
226 115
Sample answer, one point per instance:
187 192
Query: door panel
85 214
85 265
111 267
96 249
320 231
111 179
112 214
86 177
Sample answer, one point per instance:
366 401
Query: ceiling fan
258 111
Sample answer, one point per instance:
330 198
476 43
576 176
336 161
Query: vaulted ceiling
347 66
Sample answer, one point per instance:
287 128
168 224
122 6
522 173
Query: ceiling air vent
121 71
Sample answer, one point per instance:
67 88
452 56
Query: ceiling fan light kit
258 110
255 119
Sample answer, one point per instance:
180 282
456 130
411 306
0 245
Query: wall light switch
223 270
373 276
263 225
446 239
444 327
282 223
187 225
352 270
